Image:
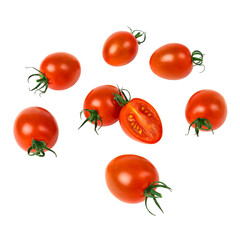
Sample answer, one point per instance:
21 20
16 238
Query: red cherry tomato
36 130
121 47
133 179
139 120
58 71
100 108
174 61
206 110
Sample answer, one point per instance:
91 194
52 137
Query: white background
67 197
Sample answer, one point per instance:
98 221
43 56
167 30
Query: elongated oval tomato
58 71
174 61
133 179
120 48
140 121
206 110
61 69
102 100
100 108
35 123
127 177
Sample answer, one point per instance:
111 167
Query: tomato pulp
140 121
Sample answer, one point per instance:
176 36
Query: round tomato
206 110
36 130
174 61
139 120
58 71
121 47
133 179
100 108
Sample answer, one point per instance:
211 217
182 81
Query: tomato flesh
61 69
127 176
172 61
140 121
120 48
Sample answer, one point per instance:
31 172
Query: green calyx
150 192
93 118
201 124
197 59
137 34
39 147
121 97
42 81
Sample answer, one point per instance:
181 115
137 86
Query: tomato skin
127 176
120 48
172 61
61 69
102 99
140 121
207 104
35 123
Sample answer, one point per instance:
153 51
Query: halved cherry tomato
206 110
36 130
133 179
174 61
121 47
139 120
58 71
100 108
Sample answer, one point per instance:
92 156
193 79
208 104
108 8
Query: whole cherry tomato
58 71
139 120
100 108
36 130
121 47
133 179
206 110
174 61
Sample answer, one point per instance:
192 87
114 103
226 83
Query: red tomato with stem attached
100 108
121 47
206 110
58 71
139 120
174 61
36 130
133 179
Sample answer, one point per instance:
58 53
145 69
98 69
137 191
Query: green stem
39 147
121 97
150 192
137 34
93 118
199 123
197 59
42 82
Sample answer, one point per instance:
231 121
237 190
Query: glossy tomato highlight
100 107
174 61
58 71
206 110
133 179
36 130
121 47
